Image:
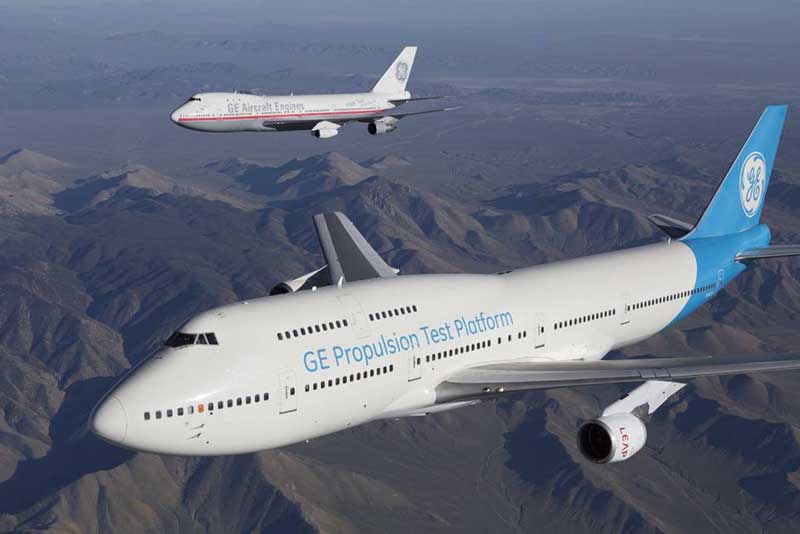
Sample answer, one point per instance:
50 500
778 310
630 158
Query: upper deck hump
279 313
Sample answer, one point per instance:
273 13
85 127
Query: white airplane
322 114
353 342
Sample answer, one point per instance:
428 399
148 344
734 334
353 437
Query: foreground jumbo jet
322 114
353 342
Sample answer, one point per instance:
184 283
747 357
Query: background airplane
322 114
353 342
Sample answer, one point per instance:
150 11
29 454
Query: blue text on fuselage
324 358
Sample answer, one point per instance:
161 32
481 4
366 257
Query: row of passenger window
353 377
522 334
584 319
668 298
458 350
396 312
202 407
181 339
315 329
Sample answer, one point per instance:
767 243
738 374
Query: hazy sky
488 23
710 40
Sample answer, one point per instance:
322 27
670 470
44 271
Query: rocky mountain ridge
121 258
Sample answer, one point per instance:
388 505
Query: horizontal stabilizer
775 251
497 379
348 254
674 228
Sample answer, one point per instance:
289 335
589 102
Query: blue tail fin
737 204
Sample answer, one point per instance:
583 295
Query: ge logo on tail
752 182
401 71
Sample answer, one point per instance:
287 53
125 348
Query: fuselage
294 367
243 112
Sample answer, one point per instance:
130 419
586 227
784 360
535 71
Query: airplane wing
501 378
398 101
348 254
400 115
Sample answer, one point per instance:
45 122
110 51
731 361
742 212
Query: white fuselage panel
378 348
238 112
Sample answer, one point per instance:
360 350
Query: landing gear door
355 315
288 392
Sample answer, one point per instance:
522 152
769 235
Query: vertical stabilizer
348 254
739 199
396 76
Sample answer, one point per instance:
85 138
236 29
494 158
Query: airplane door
540 332
414 366
355 314
720 279
288 392
624 310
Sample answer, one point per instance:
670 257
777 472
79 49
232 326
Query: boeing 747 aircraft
322 114
354 342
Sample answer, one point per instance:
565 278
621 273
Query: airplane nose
174 116
109 420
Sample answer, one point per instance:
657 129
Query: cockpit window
194 99
181 339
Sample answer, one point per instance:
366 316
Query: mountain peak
96 189
347 170
295 178
386 162
22 159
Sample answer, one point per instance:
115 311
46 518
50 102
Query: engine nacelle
318 278
381 126
325 129
612 438
325 133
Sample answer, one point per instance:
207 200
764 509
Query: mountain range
96 270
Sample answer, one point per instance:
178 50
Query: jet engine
318 278
324 133
381 126
612 438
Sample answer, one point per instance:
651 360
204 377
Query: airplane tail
396 76
736 205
